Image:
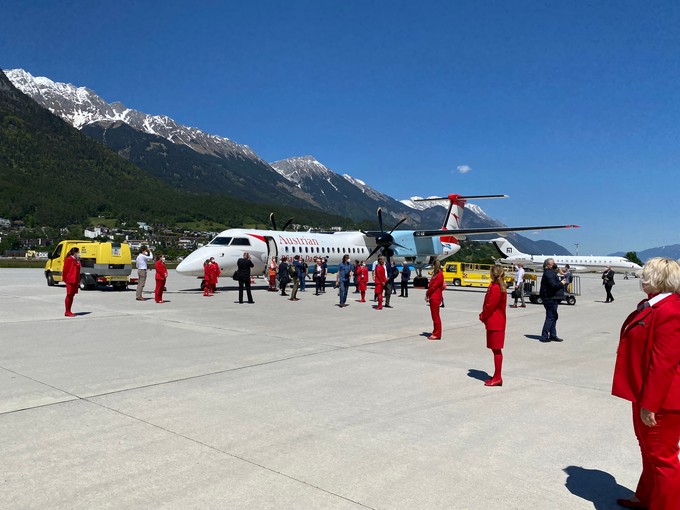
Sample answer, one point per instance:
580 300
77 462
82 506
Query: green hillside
52 175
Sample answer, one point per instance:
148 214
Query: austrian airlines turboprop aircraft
415 247
576 262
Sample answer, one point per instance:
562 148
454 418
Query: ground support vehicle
101 263
532 287
470 274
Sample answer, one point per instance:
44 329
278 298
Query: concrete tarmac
204 403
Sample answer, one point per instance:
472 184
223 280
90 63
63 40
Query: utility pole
576 244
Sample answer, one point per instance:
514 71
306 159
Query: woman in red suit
647 373
493 317
362 280
71 277
207 278
434 297
161 277
379 280
214 275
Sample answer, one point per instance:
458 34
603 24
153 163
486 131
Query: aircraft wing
485 230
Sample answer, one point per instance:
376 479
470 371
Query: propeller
384 240
273 222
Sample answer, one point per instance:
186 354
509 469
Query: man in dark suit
244 265
608 282
551 292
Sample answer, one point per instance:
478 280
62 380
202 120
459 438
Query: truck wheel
456 282
533 300
84 285
571 300
50 280
119 286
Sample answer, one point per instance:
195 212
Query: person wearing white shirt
519 286
141 262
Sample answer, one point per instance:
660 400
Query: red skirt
495 339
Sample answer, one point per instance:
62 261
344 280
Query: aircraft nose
191 265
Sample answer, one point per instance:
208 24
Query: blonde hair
661 275
498 276
436 268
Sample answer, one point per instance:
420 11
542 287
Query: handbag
515 294
235 275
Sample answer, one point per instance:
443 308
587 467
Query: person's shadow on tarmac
596 486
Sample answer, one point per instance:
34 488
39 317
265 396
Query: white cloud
463 169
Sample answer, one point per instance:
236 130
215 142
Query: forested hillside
52 175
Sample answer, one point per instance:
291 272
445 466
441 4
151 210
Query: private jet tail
506 249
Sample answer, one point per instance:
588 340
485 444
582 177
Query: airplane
414 247
510 254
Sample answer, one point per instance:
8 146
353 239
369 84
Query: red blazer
161 270
207 273
71 271
435 287
647 369
493 310
380 278
362 277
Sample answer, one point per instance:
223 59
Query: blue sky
571 108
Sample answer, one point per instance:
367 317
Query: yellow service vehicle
100 263
470 274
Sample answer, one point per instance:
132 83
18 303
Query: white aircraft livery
415 247
511 254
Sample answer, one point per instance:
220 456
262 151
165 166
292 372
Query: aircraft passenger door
272 251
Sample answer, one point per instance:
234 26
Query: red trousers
71 291
659 485
436 321
159 290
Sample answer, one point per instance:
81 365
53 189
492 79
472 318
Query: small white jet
414 247
511 254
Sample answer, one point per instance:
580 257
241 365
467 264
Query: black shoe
544 340
556 339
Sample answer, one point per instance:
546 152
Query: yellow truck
470 274
100 264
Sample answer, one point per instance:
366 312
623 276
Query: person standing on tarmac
145 256
244 265
551 292
608 282
405 277
71 277
161 278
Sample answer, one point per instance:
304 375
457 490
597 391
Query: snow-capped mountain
341 194
80 106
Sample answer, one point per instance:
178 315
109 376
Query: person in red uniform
71 277
493 317
207 278
647 372
214 275
362 280
380 279
434 298
161 277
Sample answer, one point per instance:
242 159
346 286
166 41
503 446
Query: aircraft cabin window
240 241
286 249
293 248
222 241
306 249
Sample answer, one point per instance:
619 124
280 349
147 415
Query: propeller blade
373 252
395 227
380 219
287 223
272 220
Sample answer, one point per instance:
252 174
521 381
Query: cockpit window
240 241
222 241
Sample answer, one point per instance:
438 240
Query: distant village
18 241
